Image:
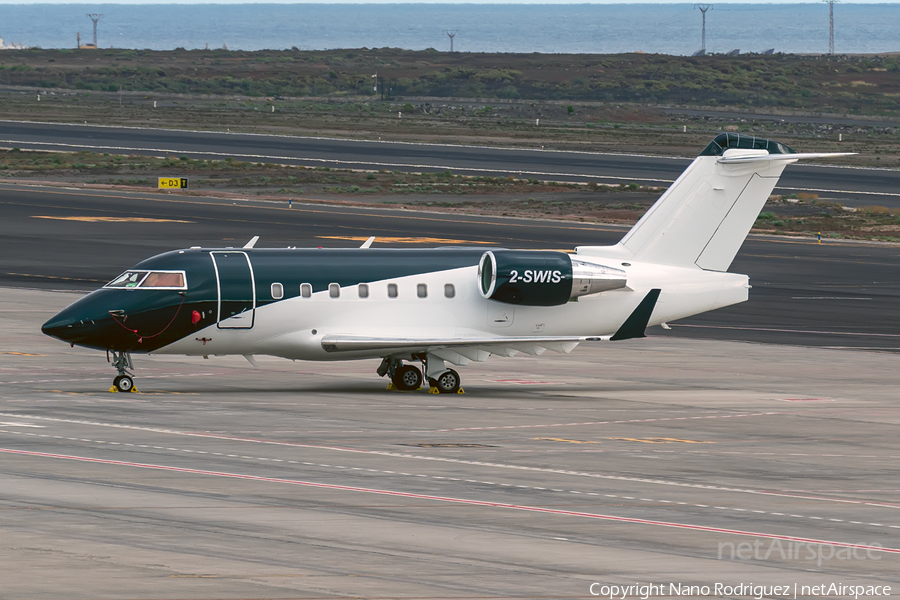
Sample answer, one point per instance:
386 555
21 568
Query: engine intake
542 278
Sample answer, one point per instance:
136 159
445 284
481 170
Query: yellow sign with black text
173 183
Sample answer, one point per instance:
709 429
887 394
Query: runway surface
660 461
804 294
853 187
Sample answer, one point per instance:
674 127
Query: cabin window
363 290
422 290
392 290
277 291
449 290
334 290
305 290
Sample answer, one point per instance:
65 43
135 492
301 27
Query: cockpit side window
128 279
158 279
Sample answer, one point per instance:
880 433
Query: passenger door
237 290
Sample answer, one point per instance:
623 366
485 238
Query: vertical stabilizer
705 216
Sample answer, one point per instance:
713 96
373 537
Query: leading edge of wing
350 343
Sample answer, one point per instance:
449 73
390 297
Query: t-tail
704 217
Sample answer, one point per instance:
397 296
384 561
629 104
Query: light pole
703 8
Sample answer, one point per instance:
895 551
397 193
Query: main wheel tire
123 383
407 378
448 382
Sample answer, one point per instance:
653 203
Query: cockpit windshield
128 279
163 280
158 280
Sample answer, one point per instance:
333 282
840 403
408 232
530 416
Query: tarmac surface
851 186
834 294
664 461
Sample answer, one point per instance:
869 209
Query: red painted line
469 502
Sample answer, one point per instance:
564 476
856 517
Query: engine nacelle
542 278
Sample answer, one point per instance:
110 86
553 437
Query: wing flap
471 348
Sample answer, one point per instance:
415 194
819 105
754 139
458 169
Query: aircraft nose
78 323
66 328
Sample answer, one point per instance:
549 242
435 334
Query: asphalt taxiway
851 186
836 294
660 461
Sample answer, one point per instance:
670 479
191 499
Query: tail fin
705 216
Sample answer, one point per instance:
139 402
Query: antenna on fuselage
368 242
251 243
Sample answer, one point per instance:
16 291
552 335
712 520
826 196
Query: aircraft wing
458 350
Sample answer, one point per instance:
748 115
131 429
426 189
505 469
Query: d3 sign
170 183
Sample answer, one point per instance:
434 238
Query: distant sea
548 28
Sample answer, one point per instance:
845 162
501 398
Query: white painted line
484 464
466 501
357 163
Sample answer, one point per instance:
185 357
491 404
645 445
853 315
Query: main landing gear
124 381
405 377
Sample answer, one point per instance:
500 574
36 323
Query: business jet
441 305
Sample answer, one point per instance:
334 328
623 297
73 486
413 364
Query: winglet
636 323
368 242
251 243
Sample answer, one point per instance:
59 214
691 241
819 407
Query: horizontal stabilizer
788 157
637 321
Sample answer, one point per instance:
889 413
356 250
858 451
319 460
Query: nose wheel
124 381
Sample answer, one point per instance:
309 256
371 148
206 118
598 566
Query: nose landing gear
124 381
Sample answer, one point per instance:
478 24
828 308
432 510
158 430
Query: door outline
219 291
